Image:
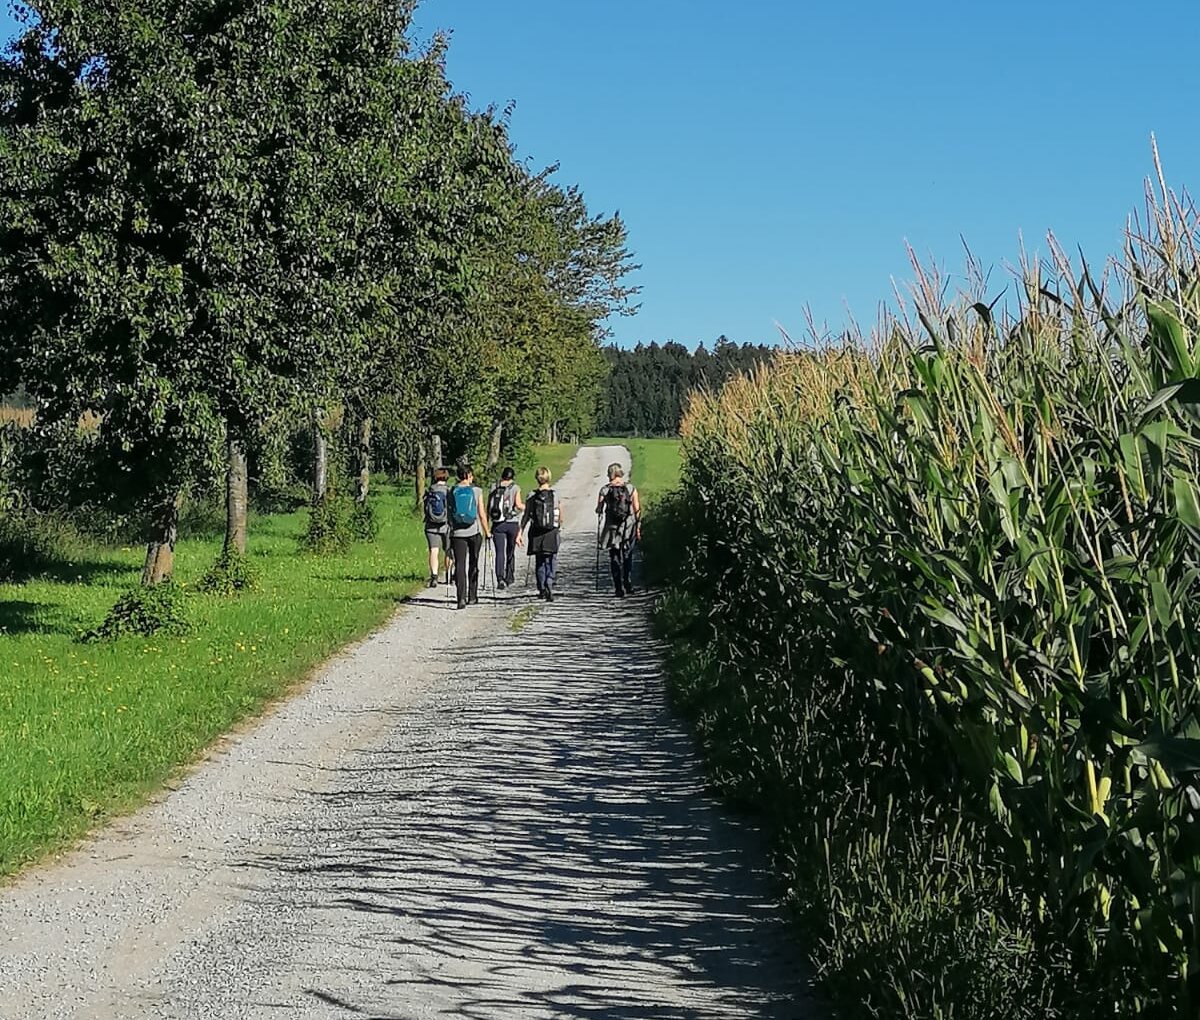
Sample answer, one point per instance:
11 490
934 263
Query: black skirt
542 542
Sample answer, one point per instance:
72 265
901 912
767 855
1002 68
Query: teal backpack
463 509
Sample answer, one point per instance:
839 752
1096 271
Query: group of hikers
459 519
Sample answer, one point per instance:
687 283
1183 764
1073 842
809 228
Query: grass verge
87 731
556 456
655 466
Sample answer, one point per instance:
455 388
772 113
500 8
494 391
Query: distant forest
648 385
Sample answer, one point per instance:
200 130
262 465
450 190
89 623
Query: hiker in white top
505 507
468 529
621 508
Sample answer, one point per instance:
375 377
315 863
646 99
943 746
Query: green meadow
87 730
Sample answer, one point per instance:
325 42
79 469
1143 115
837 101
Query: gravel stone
454 820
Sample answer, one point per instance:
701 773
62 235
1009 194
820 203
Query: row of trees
218 218
648 385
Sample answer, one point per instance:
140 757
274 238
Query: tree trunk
320 459
435 452
364 460
160 546
419 473
493 457
237 497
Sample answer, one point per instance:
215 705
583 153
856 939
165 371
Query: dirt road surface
486 814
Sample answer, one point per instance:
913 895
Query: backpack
500 503
541 505
463 510
436 515
618 505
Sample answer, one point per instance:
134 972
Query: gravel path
462 818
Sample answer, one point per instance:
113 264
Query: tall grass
951 638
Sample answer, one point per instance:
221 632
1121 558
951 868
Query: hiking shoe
473 600
629 589
501 585
462 605
620 593
549 595
433 581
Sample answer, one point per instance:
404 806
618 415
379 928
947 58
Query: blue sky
774 155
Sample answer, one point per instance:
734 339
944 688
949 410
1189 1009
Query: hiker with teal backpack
620 511
468 530
543 517
436 506
505 507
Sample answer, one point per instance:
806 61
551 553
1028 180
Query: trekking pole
596 575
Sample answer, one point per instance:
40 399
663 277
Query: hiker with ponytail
468 530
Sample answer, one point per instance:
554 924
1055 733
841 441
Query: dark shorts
438 540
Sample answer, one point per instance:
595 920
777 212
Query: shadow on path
534 842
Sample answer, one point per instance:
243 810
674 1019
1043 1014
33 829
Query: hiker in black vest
505 507
543 515
437 523
468 529
621 508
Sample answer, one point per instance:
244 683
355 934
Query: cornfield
20 416
951 638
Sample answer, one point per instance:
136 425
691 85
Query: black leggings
466 565
621 564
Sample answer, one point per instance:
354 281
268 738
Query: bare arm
484 524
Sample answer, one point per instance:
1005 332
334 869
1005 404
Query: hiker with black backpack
505 507
468 531
620 510
543 517
437 523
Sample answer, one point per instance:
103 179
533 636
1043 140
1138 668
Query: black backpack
618 505
500 502
542 508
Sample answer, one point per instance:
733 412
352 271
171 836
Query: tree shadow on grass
69 571
21 617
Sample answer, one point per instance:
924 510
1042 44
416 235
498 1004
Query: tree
195 191
648 387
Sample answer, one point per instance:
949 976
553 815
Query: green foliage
214 235
648 386
32 543
951 597
231 574
330 525
364 524
144 612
